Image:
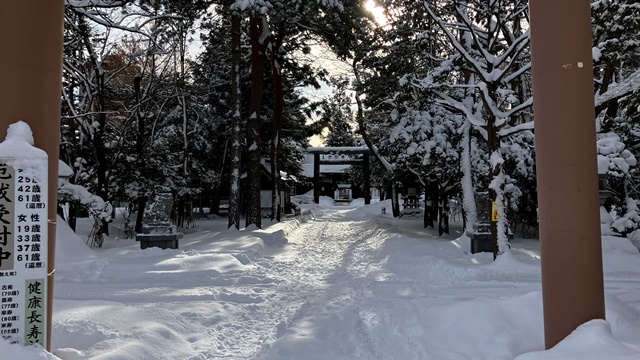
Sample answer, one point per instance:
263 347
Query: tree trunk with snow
215 198
468 194
236 124
278 109
254 215
496 184
492 49
395 204
362 129
98 136
140 146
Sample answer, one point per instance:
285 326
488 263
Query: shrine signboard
23 250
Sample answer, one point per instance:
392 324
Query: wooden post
572 279
31 38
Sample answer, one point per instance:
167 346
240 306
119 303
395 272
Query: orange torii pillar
31 39
567 176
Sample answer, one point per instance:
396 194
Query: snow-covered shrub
94 204
617 162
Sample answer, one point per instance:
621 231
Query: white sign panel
23 252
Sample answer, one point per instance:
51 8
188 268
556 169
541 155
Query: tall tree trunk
468 196
98 138
278 109
432 185
101 150
612 105
443 205
499 228
470 211
395 204
215 199
362 128
185 129
607 77
141 204
142 195
496 188
254 217
236 124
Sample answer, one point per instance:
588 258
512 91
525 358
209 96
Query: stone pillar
572 279
31 35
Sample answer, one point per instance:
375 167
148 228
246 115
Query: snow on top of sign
20 130
19 143
18 151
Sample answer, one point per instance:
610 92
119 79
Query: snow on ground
343 282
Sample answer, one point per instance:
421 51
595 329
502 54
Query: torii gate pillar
567 176
31 39
367 182
316 178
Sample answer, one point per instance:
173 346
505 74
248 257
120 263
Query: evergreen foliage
440 90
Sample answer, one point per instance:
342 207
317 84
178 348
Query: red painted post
572 279
31 39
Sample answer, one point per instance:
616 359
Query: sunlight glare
378 12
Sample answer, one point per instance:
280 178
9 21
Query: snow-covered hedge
616 162
94 204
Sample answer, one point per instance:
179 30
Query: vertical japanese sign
23 252
495 211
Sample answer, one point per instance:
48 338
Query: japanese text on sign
23 253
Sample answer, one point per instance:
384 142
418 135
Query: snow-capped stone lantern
157 215
481 240
157 230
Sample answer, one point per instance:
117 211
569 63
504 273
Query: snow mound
616 244
507 261
592 340
463 243
326 201
19 352
69 246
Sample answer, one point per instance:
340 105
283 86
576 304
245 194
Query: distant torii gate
317 161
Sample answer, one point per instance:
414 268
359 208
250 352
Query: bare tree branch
95 3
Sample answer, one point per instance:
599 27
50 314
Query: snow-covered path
233 304
336 283
326 278
375 279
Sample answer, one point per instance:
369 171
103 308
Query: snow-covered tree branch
95 3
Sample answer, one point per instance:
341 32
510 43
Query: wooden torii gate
317 161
